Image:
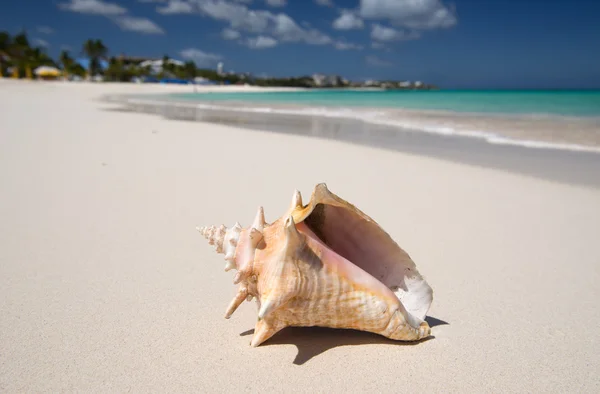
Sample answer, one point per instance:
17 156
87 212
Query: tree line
21 57
18 55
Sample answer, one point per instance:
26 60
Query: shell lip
359 239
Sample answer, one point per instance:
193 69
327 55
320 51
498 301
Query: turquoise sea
579 103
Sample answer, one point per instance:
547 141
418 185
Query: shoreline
542 131
545 162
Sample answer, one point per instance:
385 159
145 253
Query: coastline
573 164
545 131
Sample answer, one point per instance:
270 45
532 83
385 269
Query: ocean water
548 119
578 103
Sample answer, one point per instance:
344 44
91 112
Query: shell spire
214 235
224 239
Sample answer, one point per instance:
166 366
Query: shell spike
267 307
292 235
296 200
237 301
259 220
229 265
246 259
265 330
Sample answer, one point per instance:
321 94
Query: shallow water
516 126
549 102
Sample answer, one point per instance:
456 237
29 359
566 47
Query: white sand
105 285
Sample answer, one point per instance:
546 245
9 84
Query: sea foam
376 117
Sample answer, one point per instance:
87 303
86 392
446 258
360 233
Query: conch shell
324 264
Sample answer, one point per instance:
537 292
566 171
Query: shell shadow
313 341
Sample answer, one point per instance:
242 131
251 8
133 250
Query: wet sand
561 165
533 130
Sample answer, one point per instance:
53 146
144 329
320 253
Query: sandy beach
106 286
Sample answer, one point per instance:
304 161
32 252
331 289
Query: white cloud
413 14
200 57
261 42
347 21
238 15
286 29
176 7
375 61
378 45
41 43
96 7
279 26
139 25
66 48
343 46
324 3
315 37
114 12
230 34
383 33
45 29
276 3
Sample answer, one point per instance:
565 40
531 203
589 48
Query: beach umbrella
46 71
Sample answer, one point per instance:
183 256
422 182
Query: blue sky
460 44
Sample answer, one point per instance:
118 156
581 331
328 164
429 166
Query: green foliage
16 51
78 70
5 42
95 50
67 62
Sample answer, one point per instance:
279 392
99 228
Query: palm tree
168 68
5 43
19 51
38 57
67 62
116 70
189 69
94 50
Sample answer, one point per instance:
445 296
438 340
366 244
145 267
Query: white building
319 79
220 68
156 66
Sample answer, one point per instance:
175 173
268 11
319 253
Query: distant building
333 80
404 84
327 80
319 79
156 66
220 68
